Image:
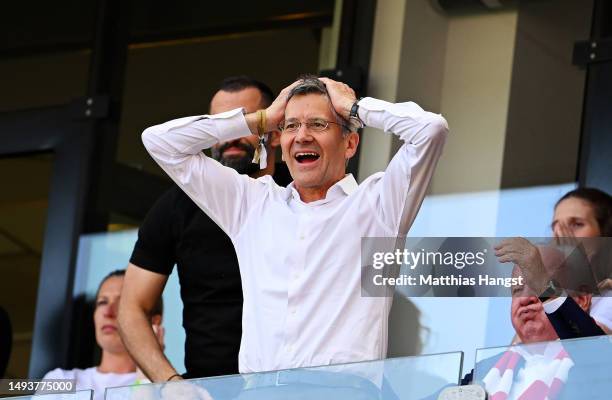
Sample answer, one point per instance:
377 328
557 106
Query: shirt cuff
370 111
230 125
373 112
553 305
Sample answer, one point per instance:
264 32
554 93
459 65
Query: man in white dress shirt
299 247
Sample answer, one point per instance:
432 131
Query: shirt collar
346 185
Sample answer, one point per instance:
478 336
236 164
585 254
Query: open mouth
306 157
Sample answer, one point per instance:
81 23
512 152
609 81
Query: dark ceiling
44 26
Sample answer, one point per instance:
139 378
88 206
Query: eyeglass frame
282 129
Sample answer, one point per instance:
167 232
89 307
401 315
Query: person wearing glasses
176 231
298 247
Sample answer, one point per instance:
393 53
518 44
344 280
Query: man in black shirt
176 231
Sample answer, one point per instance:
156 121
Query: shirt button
301 237
293 312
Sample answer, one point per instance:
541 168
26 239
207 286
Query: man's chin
306 182
243 165
534 332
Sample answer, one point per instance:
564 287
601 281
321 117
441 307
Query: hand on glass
184 390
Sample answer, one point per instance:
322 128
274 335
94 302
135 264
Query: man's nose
527 300
303 134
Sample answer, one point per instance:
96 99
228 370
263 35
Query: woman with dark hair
587 213
116 366
579 215
542 313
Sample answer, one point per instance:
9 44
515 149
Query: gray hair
310 84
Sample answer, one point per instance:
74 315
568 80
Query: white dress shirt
91 379
300 262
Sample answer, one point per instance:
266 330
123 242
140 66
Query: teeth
306 154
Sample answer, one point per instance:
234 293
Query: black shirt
176 231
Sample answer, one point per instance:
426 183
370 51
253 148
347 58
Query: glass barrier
562 369
78 395
101 253
390 379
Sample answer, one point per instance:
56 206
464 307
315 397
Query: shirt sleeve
554 304
399 193
222 193
570 321
155 248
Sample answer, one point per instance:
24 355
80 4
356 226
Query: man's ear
583 301
274 139
352 142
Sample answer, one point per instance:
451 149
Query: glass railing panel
77 395
562 369
390 379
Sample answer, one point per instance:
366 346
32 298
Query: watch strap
552 290
354 114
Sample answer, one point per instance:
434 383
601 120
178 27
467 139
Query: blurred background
526 87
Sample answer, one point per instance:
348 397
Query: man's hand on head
341 96
275 113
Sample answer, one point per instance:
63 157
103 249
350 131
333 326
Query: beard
242 164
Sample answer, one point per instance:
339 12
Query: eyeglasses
315 125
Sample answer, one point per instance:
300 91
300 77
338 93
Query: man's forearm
173 140
404 184
142 344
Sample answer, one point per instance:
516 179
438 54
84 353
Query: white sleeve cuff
230 125
383 115
553 305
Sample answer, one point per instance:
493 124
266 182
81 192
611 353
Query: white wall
474 100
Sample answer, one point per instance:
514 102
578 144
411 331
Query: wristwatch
553 289
354 115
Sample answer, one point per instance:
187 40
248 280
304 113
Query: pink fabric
499 380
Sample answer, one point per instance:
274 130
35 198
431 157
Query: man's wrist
554 303
354 119
174 377
551 290
252 120
347 107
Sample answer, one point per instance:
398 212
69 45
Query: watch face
354 110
